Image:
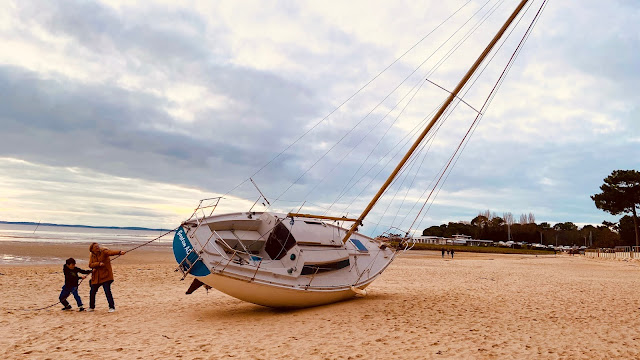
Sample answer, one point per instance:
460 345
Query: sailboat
292 259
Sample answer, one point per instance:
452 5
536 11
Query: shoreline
38 224
27 253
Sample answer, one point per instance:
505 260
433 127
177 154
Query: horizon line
83 226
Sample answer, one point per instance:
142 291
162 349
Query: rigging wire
464 141
491 96
420 83
467 88
407 138
439 125
449 53
459 99
349 98
352 129
369 132
347 188
424 157
404 174
545 2
480 113
410 167
494 91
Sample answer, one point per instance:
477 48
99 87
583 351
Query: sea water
73 235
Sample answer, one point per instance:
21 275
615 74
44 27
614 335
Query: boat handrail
324 217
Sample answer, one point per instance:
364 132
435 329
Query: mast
436 117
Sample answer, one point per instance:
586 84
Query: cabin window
319 268
279 242
359 245
314 222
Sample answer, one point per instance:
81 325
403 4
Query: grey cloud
602 40
153 35
273 110
64 123
99 127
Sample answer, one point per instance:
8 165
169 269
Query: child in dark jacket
71 284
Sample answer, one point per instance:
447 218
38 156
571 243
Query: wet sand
476 306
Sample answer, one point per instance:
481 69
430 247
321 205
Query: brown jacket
101 273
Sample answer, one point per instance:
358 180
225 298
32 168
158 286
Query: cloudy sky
127 114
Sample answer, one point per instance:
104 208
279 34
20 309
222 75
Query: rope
46 307
81 280
148 242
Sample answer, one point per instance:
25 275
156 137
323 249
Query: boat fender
361 292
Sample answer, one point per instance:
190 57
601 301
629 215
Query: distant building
476 242
435 240
458 239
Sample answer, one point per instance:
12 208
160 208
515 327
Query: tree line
620 195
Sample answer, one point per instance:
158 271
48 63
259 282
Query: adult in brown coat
102 274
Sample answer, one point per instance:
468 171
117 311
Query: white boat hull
275 296
261 259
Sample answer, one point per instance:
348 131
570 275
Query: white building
436 240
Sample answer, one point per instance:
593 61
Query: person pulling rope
97 285
71 284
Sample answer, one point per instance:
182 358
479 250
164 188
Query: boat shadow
237 308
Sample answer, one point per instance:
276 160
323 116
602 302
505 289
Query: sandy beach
475 306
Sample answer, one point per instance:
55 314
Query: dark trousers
64 294
107 291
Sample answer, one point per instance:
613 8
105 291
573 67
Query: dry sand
476 306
